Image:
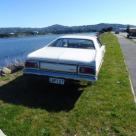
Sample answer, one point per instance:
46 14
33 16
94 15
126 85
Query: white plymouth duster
75 57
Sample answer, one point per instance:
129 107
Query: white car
76 57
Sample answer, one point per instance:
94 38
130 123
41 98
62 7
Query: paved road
129 51
124 34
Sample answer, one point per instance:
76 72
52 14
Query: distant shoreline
36 35
10 32
5 36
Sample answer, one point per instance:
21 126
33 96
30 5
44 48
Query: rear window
73 43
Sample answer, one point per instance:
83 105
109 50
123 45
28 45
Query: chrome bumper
72 76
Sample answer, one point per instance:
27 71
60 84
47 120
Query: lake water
13 50
16 49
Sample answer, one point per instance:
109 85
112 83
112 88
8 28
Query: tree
128 29
109 29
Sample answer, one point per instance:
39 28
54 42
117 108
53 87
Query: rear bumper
58 74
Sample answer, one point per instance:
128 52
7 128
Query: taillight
31 64
87 70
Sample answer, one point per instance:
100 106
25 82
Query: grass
105 108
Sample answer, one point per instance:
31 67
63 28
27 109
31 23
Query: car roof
75 36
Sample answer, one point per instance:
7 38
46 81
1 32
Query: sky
42 13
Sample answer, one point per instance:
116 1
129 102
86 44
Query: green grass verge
105 108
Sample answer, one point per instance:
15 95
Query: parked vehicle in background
116 32
75 57
131 33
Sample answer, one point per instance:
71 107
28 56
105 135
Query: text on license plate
56 81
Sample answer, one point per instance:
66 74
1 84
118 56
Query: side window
99 42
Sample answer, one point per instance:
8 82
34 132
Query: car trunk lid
64 55
62 59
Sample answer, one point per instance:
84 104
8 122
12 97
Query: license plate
56 81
